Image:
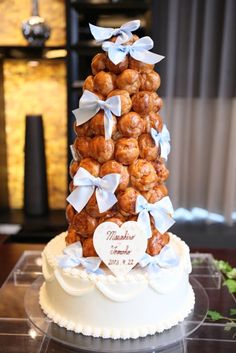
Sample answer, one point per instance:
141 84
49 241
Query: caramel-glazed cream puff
129 81
131 125
142 175
147 147
98 63
96 124
104 82
149 81
84 224
102 150
126 150
127 201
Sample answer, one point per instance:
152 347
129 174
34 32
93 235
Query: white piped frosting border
117 333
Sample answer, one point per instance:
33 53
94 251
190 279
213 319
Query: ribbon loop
161 212
124 32
90 105
86 184
139 50
73 256
163 139
167 258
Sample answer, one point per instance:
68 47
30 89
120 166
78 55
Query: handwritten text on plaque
120 248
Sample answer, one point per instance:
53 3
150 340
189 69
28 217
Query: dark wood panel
3 151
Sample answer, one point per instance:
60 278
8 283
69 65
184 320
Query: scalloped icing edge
117 333
81 273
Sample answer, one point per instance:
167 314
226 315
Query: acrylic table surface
201 341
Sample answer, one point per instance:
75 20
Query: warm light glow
34 20
36 90
39 261
32 333
54 54
33 63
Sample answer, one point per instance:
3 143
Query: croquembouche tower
124 136
117 255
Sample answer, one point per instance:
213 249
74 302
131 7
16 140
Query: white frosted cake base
124 307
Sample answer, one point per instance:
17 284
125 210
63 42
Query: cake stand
150 343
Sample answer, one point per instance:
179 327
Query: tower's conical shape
131 150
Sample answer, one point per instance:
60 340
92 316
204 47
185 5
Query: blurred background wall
199 85
33 84
198 75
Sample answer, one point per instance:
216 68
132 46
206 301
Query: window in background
199 90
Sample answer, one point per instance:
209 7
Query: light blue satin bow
162 138
86 184
161 211
139 50
123 33
165 259
90 104
73 256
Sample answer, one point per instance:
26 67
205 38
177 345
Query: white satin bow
162 138
139 50
73 256
161 211
123 33
90 104
86 184
165 259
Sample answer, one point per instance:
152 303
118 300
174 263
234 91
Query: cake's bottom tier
128 307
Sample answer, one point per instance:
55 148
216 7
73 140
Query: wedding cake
117 272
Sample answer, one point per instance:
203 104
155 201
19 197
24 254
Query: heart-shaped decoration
120 248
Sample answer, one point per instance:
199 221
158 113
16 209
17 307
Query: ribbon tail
145 56
165 150
105 200
144 221
165 133
155 136
80 196
110 182
108 123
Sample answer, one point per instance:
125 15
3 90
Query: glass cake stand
150 343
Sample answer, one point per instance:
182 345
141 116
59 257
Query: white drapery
198 38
